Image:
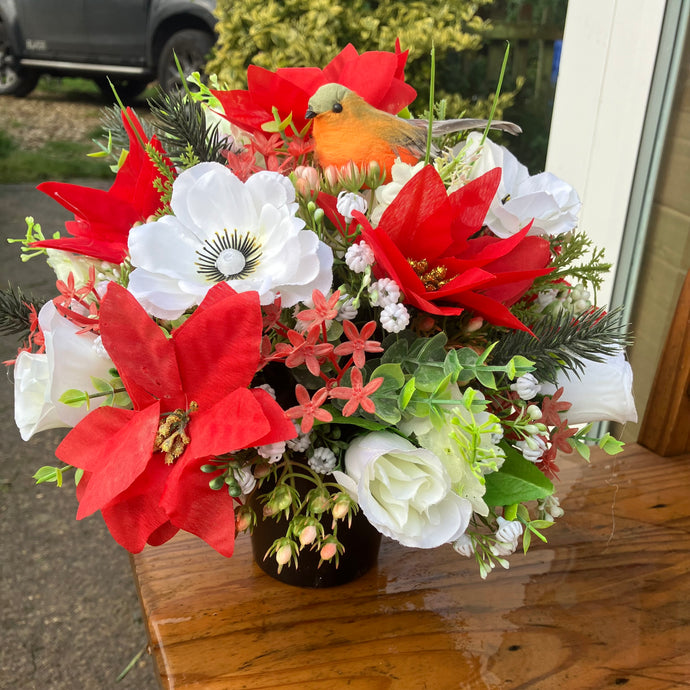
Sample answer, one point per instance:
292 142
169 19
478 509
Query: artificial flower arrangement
414 338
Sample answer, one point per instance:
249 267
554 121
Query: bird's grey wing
442 127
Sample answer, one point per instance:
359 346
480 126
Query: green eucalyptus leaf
392 374
121 400
406 393
74 398
429 376
610 445
486 378
581 447
467 357
396 352
451 365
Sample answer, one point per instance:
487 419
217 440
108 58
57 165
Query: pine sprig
182 128
562 341
15 311
111 121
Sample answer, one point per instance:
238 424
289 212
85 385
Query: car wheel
191 47
127 89
14 80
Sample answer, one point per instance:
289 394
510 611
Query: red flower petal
116 446
194 507
419 220
219 347
143 356
103 219
135 516
236 421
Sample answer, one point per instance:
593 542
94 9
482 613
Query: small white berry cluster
575 300
383 293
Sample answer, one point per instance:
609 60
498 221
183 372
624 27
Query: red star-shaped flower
358 342
309 409
102 220
425 242
204 369
357 395
377 76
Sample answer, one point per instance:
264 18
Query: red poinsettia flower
201 374
426 242
377 76
102 220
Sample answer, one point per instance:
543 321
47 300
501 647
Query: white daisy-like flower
349 202
323 460
359 257
394 318
226 230
384 292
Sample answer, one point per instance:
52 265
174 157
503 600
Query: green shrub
302 33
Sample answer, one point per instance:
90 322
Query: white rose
404 491
551 203
70 360
603 392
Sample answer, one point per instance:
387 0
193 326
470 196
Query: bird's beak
309 114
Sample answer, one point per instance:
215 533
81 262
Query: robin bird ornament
348 129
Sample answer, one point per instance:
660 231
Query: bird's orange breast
361 137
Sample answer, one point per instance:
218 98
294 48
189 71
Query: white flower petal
243 233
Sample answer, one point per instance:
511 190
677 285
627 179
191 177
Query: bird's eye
337 108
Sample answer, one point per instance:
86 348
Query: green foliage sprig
15 311
182 128
575 259
562 341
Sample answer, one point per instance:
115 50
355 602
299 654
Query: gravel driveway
69 613
34 120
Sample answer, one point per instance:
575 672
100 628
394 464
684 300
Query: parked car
130 42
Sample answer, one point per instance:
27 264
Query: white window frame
602 110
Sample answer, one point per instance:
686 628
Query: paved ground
69 613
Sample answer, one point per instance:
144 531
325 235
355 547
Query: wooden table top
606 603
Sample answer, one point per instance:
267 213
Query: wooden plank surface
606 603
666 425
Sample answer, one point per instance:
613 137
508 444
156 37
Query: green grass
56 160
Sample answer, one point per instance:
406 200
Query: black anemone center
228 256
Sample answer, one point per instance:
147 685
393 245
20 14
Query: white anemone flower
246 234
552 204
